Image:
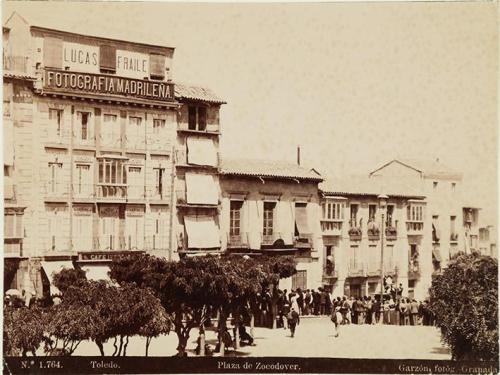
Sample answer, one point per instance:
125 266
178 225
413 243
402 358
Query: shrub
464 300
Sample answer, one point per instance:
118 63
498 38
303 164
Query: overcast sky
354 84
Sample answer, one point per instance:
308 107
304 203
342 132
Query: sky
354 84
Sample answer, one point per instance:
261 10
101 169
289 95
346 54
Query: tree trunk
101 349
202 343
222 348
121 346
116 347
237 331
252 324
148 340
125 346
183 339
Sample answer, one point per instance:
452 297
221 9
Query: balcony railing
413 269
238 241
373 269
52 135
415 228
356 270
355 233
373 231
181 159
390 269
329 272
55 190
391 233
111 242
17 64
56 243
331 228
454 237
270 239
303 240
210 129
111 192
12 248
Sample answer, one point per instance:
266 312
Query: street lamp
382 198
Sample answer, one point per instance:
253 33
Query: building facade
272 208
361 226
94 131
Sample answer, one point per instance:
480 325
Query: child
336 319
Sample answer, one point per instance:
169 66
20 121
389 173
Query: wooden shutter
157 66
52 52
107 57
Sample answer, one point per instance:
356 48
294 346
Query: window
110 130
6 108
55 119
135 182
372 211
332 210
83 179
390 213
434 185
6 171
197 118
159 175
109 233
453 234
135 232
160 231
435 229
54 177
299 280
55 225
82 232
83 119
158 126
453 186
135 131
354 215
112 171
235 218
268 218
13 226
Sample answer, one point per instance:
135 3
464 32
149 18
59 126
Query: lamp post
383 202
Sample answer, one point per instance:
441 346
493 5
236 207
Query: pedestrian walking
336 318
293 321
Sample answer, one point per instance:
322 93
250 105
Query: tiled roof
361 185
183 91
267 168
429 168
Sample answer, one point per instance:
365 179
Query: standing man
293 320
413 312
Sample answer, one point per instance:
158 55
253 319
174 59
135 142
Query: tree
23 330
464 301
193 287
68 277
159 324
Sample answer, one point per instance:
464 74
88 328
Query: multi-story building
271 207
364 223
94 128
196 171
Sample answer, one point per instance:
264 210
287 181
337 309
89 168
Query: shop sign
132 64
81 57
73 82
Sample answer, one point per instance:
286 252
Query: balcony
211 130
55 191
55 244
329 272
454 237
391 233
181 160
356 270
373 231
355 233
390 269
414 228
111 192
18 64
237 241
120 243
413 269
270 239
303 241
331 227
374 269
54 138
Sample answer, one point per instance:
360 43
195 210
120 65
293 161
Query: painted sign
104 255
107 85
132 64
81 57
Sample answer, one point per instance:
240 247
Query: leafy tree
464 300
68 277
159 324
193 287
23 330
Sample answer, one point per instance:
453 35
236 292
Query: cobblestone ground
314 338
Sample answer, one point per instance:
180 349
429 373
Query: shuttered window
157 66
299 280
52 52
107 58
9 226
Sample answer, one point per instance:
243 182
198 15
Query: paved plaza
314 338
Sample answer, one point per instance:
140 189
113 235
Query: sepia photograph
250 187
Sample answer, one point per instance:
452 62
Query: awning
201 151
201 189
52 267
301 219
202 232
436 254
96 272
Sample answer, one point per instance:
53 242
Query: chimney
298 155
